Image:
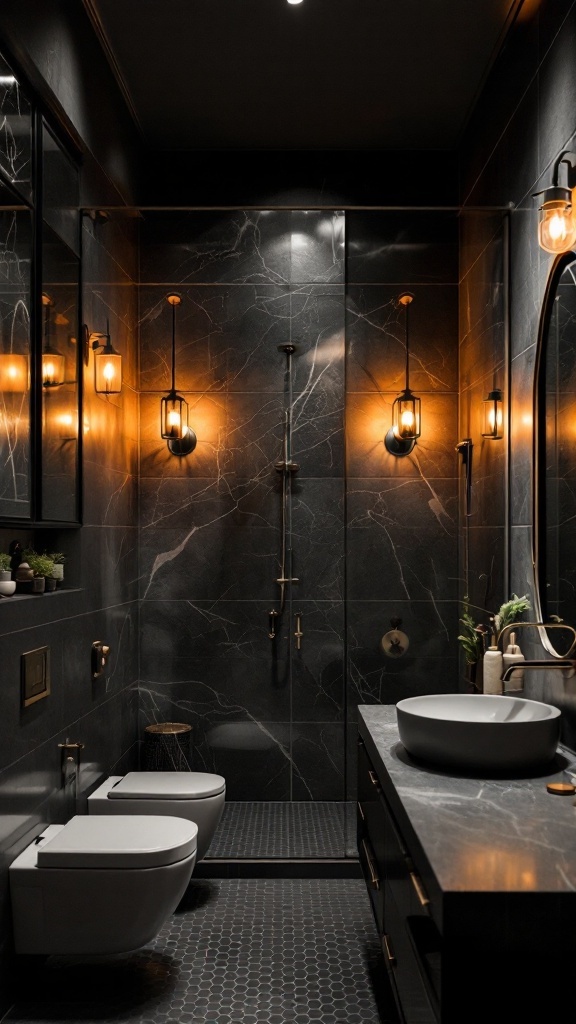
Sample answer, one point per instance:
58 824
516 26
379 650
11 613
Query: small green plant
41 565
58 557
4 561
509 612
471 638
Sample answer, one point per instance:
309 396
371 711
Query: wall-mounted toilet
196 796
100 885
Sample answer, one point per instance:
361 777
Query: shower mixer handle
298 631
272 616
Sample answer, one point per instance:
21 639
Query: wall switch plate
35 675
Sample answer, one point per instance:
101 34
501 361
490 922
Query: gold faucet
566 663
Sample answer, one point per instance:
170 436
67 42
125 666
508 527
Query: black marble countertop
480 834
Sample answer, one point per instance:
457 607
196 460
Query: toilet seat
167 786
139 841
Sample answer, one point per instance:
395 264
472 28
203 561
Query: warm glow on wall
13 372
53 362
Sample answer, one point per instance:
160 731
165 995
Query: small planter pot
58 573
7 588
50 584
38 585
5 575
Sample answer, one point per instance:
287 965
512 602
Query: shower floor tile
236 951
274 829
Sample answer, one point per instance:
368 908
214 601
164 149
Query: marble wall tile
184 247
403 247
401 540
318 761
375 331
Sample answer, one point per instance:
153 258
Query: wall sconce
53 362
405 429
173 408
13 372
492 416
107 363
557 226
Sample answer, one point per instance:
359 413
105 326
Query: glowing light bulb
108 371
407 419
174 418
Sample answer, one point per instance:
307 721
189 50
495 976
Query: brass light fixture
405 429
53 362
173 408
107 364
492 416
557 224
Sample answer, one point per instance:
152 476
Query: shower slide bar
287 467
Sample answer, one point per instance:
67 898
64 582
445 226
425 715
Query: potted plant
58 557
42 566
5 567
7 585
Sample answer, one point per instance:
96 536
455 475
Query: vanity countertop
507 835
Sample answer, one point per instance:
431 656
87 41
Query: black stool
168 747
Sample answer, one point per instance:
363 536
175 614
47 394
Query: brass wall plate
35 675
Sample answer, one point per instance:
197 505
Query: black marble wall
372 537
522 122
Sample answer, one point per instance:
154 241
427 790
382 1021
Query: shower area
274 556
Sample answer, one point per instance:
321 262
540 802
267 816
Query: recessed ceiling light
294 1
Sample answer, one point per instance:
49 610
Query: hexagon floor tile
236 951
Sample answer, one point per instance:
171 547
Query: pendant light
492 417
53 362
557 224
405 429
107 365
173 408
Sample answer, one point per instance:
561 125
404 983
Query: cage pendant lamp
557 221
405 429
53 362
107 366
173 408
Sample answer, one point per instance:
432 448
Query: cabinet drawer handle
388 951
360 811
374 880
422 897
373 778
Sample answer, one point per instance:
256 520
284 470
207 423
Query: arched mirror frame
539 476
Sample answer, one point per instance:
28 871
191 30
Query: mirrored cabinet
39 317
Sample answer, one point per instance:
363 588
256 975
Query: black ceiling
320 75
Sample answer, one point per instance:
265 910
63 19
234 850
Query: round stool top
167 728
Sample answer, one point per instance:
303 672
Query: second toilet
196 796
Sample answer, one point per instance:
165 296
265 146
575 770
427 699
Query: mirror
554 551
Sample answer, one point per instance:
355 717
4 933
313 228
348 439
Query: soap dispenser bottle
493 668
513 656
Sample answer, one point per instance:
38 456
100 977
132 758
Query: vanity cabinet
473 896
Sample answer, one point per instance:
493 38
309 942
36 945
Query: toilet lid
119 841
167 786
